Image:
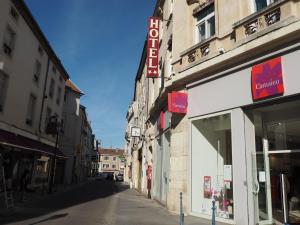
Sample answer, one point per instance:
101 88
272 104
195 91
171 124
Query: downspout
44 95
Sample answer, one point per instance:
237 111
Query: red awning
19 141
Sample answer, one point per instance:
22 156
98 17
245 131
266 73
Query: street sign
135 132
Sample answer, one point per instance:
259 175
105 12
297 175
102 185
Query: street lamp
53 128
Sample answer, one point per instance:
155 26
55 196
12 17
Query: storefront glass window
277 136
212 166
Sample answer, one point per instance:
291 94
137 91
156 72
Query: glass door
276 163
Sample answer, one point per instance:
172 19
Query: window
106 158
14 14
51 88
37 72
53 69
113 166
9 41
114 158
48 115
40 50
31 110
105 166
205 25
212 166
58 96
260 4
3 88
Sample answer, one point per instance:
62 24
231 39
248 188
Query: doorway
276 162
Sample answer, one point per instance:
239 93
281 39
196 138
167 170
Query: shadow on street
52 203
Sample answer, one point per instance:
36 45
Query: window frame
205 21
37 71
254 5
51 88
3 90
13 12
31 108
58 97
8 48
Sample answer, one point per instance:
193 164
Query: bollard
213 219
181 216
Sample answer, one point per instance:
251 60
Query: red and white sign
153 46
177 102
207 187
267 79
162 120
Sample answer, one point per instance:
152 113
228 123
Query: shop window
9 41
205 23
31 110
260 4
3 89
212 166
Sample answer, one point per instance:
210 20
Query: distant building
111 160
70 138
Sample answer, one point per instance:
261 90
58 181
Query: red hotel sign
267 79
153 46
177 102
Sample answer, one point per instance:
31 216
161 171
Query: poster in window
207 187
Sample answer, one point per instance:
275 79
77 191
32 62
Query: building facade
71 122
111 161
32 83
236 61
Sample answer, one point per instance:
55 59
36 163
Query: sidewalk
35 196
134 204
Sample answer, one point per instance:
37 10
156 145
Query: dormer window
205 23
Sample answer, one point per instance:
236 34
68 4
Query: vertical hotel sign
153 45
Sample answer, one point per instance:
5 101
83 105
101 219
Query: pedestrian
149 180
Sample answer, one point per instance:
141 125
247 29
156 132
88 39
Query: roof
110 151
31 22
73 87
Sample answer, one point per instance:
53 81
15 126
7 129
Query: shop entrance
276 162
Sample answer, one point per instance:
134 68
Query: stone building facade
32 83
236 62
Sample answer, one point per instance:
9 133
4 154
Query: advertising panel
267 79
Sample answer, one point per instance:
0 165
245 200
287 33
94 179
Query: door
165 166
276 154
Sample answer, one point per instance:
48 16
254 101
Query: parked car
120 177
110 176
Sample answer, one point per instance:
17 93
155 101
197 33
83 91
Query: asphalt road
95 203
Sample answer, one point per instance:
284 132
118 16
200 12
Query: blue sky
100 43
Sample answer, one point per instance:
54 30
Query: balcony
197 53
274 16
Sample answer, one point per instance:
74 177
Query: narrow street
95 203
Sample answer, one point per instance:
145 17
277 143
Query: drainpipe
44 96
